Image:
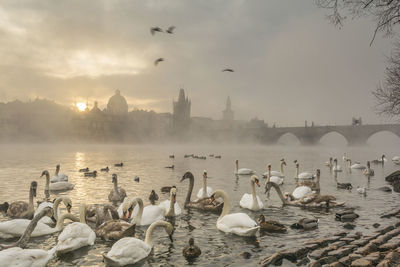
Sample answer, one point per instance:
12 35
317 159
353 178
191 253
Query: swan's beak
124 216
183 178
69 208
130 212
212 199
258 183
174 199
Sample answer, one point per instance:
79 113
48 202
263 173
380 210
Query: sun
81 106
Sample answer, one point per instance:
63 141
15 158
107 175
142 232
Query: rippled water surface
21 164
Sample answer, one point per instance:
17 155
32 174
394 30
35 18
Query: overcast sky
290 63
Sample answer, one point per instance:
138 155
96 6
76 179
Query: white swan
146 215
252 201
279 174
336 167
205 191
242 171
129 250
59 177
59 186
368 171
17 256
303 175
301 191
171 207
361 190
356 165
47 220
396 159
329 163
275 179
76 235
15 228
236 223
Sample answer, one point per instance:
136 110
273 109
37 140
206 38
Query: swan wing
59 178
276 180
46 219
59 186
15 228
129 250
246 201
276 173
209 192
165 205
238 223
301 191
245 171
306 175
26 257
151 213
74 236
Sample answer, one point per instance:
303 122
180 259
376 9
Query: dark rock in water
361 263
395 176
303 261
385 189
246 255
349 226
336 264
396 186
376 225
327 260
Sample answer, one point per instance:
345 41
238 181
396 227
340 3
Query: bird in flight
225 70
153 30
158 61
170 30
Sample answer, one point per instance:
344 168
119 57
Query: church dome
117 104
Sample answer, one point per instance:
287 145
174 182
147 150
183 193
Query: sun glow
81 106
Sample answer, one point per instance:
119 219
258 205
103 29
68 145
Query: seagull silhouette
230 70
153 30
170 30
158 61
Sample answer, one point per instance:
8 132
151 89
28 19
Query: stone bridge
354 134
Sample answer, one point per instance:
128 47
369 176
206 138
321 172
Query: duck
236 223
166 189
170 167
306 224
336 167
22 209
59 177
4 207
379 161
91 174
385 189
368 171
217 157
171 156
356 165
171 207
346 215
84 169
117 194
252 201
130 250
49 221
205 191
119 164
303 175
274 179
200 204
242 171
361 190
153 197
76 235
191 251
279 174
270 226
146 215
329 163
59 186
347 186
136 179
106 169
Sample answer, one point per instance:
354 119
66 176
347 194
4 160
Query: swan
171 207
99 214
59 177
314 185
279 174
344 158
356 165
59 186
242 171
205 191
379 161
368 171
274 179
21 209
336 167
191 251
117 194
115 230
47 220
252 201
303 175
361 190
146 215
329 163
201 204
129 250
125 209
396 159
15 228
76 235
299 192
17 256
236 223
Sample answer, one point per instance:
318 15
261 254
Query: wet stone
303 261
340 252
373 257
389 246
376 225
337 264
319 253
315 264
246 255
371 247
349 226
357 235
341 234
386 229
347 239
360 242
361 263
327 260
338 244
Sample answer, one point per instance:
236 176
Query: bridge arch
335 134
288 138
388 134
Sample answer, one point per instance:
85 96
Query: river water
21 164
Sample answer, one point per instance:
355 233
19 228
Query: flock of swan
118 219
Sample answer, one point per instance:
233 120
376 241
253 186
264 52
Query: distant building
117 105
181 112
227 114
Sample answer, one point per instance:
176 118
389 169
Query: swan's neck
318 188
82 213
139 215
269 175
55 207
112 210
350 163
171 211
237 166
190 190
116 186
57 171
227 205
30 206
47 182
278 190
282 167
297 171
149 233
65 216
335 164
204 187
253 194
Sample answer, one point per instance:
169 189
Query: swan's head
204 174
318 172
297 165
34 188
114 178
283 162
295 161
187 175
68 203
173 193
217 194
335 160
255 180
58 167
269 167
127 209
261 219
45 173
288 196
